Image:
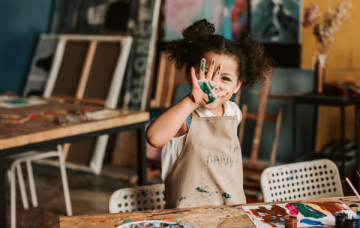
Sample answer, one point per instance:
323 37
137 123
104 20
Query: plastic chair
16 167
303 180
139 198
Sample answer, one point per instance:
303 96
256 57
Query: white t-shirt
171 151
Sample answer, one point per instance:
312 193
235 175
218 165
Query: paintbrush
352 187
358 173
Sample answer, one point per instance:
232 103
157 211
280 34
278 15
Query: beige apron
209 169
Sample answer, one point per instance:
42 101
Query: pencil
352 187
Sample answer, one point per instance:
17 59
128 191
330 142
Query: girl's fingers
202 69
217 73
194 81
211 70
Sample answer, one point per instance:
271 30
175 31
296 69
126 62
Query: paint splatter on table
213 216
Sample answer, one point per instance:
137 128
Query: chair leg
32 184
11 174
22 186
65 182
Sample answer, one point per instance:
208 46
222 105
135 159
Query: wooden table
207 217
42 133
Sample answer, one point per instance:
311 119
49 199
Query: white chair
140 198
303 180
16 167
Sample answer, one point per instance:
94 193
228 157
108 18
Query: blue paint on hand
311 222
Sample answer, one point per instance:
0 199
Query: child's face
227 81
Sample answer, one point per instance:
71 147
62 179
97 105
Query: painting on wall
276 21
230 17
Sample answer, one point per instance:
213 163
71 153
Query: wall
343 63
20 24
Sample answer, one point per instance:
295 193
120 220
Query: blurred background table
41 133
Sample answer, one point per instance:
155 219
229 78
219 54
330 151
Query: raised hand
203 89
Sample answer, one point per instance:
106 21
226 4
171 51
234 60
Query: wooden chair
302 180
139 198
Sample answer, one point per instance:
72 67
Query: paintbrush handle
352 187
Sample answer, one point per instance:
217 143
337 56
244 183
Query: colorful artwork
308 214
276 21
154 224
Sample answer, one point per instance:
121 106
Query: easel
252 168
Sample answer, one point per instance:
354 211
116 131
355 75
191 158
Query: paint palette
154 224
308 214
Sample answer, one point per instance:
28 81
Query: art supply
308 214
290 221
357 221
358 211
17 103
339 218
358 173
153 224
352 187
348 223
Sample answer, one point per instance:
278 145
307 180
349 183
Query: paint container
348 223
339 218
357 221
358 211
290 221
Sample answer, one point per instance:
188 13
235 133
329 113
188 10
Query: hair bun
201 28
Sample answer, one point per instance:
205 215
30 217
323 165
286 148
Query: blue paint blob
311 222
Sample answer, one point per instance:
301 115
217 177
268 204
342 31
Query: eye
225 79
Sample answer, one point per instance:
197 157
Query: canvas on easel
88 69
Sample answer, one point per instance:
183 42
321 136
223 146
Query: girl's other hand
203 89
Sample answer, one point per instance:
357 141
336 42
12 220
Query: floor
89 193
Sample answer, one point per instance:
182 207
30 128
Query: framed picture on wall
276 21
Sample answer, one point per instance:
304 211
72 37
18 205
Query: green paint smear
205 88
181 198
201 190
226 195
203 65
306 212
216 191
210 85
127 220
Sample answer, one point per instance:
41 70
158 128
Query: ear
237 86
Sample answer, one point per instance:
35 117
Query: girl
201 155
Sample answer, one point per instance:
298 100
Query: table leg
141 158
2 193
294 130
314 131
357 141
343 157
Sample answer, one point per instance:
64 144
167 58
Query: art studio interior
179 113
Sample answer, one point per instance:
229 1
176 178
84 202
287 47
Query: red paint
204 100
103 220
292 209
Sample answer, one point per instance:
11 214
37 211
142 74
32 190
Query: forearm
165 127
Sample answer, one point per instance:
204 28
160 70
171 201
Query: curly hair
253 63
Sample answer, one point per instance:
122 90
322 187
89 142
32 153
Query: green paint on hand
205 88
306 212
210 85
199 189
226 195
203 65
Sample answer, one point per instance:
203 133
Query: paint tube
290 221
348 223
357 221
339 218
